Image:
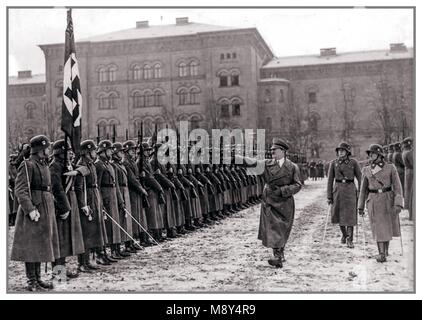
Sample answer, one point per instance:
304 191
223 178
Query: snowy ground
227 257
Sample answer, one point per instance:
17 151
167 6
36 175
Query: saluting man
282 182
382 193
342 193
36 239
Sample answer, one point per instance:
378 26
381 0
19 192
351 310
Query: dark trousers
33 271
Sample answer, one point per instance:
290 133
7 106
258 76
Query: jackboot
381 249
344 234
387 245
349 239
81 264
277 260
32 283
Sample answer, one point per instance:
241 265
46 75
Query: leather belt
108 185
344 180
41 188
382 190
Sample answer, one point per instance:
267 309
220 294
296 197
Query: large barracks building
221 77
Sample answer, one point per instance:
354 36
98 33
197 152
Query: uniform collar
379 162
344 160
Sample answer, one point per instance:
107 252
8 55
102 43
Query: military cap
59 146
145 146
117 146
128 145
397 146
407 141
39 143
104 145
391 147
87 146
344 146
279 144
375 148
385 148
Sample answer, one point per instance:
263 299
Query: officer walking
342 193
382 194
36 239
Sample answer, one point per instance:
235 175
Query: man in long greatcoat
36 238
342 192
137 193
66 205
397 160
282 182
382 195
408 176
91 215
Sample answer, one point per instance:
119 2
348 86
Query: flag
72 98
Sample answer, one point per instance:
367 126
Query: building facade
219 77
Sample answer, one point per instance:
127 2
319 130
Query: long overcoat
70 230
341 189
278 205
136 196
381 206
35 241
398 162
122 184
408 182
88 194
108 190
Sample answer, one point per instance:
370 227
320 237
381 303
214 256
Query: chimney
327 52
182 21
24 74
398 47
141 24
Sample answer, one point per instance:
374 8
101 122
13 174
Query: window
158 98
149 99
267 95
138 100
137 72
183 97
107 101
147 72
222 56
30 108
228 56
102 75
148 127
194 95
234 79
236 109
234 55
157 71
183 69
112 74
193 68
223 81
225 110
102 129
312 97
112 100
281 95
195 122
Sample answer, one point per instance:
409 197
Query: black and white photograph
210 150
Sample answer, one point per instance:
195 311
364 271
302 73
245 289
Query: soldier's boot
129 247
122 253
244 206
115 252
349 239
101 257
181 230
344 234
88 263
135 246
381 249
32 283
43 284
277 260
197 223
108 256
81 264
387 245
189 226
145 240
171 233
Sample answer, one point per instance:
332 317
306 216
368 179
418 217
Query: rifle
114 134
98 134
145 202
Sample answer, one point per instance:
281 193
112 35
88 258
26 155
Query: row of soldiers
116 199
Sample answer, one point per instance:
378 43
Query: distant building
220 77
